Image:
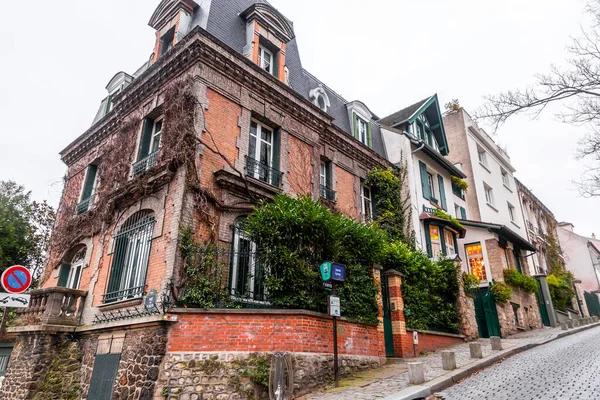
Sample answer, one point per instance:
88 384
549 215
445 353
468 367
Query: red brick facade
428 342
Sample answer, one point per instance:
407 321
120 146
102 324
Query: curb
440 383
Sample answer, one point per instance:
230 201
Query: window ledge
121 304
492 207
485 167
507 187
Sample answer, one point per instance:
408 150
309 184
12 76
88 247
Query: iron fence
145 163
327 193
263 172
84 205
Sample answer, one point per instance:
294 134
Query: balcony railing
327 193
263 172
53 306
145 164
125 294
85 205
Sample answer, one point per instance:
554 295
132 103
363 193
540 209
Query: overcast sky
58 56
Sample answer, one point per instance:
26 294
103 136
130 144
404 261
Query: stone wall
528 313
467 324
240 376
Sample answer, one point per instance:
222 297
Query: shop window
475 259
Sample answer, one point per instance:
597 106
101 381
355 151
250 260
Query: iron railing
327 193
145 163
125 294
263 172
84 205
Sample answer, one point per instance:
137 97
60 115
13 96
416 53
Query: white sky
58 56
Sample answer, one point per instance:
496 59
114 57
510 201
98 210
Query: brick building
221 116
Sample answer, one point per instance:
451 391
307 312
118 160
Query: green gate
542 305
593 304
387 318
486 314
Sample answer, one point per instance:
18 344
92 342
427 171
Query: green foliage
453 105
429 289
204 271
470 282
296 235
516 279
460 183
63 376
439 213
25 227
501 291
392 202
259 366
561 289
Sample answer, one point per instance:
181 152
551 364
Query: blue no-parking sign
16 279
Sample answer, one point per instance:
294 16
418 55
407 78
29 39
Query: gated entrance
387 317
486 314
593 304
542 305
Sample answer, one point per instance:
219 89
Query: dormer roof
271 19
167 9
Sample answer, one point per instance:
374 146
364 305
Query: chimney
593 235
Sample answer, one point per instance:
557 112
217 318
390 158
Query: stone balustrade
53 306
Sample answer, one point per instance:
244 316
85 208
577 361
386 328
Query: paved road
567 368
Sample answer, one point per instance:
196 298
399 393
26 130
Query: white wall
578 258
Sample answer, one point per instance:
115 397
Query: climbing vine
460 183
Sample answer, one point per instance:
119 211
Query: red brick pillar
402 341
380 336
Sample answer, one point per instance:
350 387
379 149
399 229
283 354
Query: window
457 212
88 189
166 43
431 187
489 195
325 187
149 145
4 359
505 178
366 203
265 59
70 272
436 241
482 156
511 212
475 259
262 154
449 242
363 131
247 274
515 308
130 258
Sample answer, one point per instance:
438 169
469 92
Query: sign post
15 280
335 273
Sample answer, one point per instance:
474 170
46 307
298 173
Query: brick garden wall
429 342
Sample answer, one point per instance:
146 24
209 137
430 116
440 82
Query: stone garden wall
528 313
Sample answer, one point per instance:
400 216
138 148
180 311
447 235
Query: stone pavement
567 368
393 378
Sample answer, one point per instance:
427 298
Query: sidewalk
391 381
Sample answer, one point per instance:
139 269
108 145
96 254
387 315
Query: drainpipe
420 148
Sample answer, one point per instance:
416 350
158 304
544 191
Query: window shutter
428 240
424 184
463 213
104 375
275 178
63 275
146 138
328 167
369 135
355 125
90 178
442 192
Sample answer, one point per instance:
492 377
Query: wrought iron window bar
85 204
125 294
327 193
263 172
145 164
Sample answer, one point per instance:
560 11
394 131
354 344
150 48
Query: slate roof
400 117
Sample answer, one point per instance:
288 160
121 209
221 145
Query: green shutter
442 192
63 275
428 240
442 240
463 213
369 135
355 125
146 138
90 178
275 178
328 167
424 184
517 260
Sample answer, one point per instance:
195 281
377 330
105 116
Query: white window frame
450 249
261 59
482 157
363 130
505 178
74 277
366 201
239 235
135 262
323 174
475 256
431 184
436 245
258 146
156 133
511 212
489 194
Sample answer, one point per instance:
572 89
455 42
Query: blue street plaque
338 272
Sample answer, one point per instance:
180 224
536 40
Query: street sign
415 337
334 306
328 285
16 279
14 300
326 270
150 302
338 272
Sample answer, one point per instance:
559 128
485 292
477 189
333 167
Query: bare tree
576 88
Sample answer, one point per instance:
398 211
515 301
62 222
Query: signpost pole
335 348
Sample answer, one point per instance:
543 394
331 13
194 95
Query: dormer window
360 122
265 59
166 42
362 130
319 98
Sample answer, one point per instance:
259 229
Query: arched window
247 278
130 258
70 271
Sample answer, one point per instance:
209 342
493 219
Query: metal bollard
496 343
475 349
448 360
563 326
416 373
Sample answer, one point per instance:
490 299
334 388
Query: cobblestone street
566 368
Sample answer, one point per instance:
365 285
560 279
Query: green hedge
516 279
561 289
501 291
